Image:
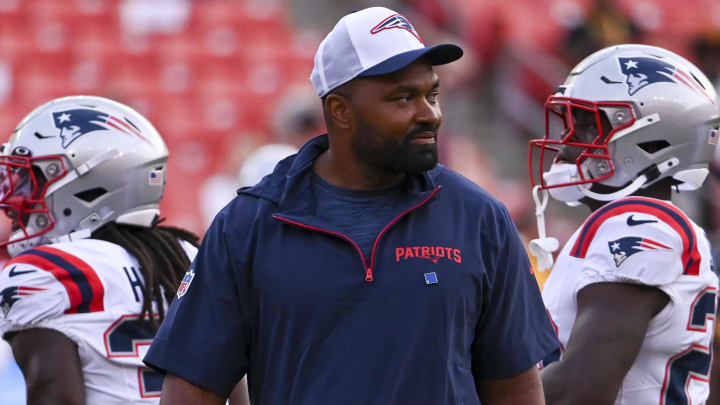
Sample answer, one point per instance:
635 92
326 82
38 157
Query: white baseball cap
371 42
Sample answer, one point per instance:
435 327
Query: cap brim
435 55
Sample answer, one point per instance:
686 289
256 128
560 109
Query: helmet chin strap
15 248
68 237
648 175
629 189
542 247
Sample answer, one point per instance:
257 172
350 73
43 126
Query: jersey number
692 363
122 339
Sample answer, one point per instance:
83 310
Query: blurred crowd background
222 78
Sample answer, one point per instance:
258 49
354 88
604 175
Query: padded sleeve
651 251
29 296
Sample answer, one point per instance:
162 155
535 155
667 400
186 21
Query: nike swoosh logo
38 135
633 222
14 273
608 81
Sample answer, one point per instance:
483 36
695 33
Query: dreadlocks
162 260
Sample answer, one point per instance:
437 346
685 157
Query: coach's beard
393 156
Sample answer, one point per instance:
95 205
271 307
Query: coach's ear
337 110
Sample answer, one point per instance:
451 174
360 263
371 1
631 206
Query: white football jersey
91 291
651 242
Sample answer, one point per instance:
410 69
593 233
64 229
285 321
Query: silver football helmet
626 117
76 163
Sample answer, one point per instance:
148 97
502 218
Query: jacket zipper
368 270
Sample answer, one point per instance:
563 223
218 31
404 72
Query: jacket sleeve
514 332
205 336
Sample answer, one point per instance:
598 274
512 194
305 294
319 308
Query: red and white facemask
574 151
23 189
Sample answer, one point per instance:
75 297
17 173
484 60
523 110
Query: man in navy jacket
360 271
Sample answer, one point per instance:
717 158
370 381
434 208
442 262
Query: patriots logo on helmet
623 248
77 122
11 295
643 71
396 21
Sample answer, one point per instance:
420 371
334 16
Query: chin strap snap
542 247
646 176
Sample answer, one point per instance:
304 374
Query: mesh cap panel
339 63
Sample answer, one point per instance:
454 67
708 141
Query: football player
633 293
91 272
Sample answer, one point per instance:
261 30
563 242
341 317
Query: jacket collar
288 185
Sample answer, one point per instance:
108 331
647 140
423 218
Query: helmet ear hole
90 195
654 146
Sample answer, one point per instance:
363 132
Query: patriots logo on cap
643 71
396 21
185 284
11 295
623 248
75 123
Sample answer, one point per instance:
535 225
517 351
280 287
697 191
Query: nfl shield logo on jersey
186 282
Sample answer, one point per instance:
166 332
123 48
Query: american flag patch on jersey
156 177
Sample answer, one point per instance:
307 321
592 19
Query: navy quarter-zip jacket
275 292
